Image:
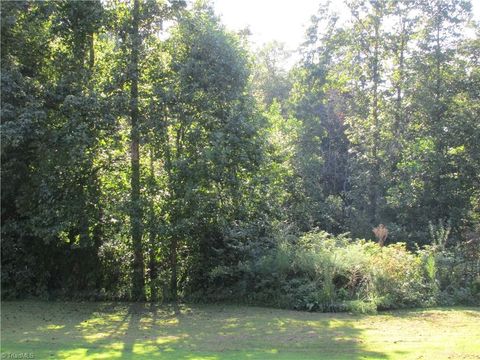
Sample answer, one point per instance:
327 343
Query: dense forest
148 153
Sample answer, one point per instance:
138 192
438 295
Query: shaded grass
59 330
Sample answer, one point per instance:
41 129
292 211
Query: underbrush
321 272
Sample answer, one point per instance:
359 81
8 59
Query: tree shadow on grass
49 329
263 333
427 312
145 331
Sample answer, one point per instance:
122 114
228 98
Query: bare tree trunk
173 266
138 286
374 190
152 264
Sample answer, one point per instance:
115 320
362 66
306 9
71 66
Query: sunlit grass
141 331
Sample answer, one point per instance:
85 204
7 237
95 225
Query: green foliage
142 162
321 272
439 233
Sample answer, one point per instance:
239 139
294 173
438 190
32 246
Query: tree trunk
173 265
374 190
152 264
91 51
138 286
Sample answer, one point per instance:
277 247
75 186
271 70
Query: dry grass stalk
381 233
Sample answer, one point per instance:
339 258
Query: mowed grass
69 330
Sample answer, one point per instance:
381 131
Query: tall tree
366 124
58 211
321 154
439 190
270 77
136 213
211 144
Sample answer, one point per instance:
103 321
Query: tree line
145 147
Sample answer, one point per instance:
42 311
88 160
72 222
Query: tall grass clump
321 272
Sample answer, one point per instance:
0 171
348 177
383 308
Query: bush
321 272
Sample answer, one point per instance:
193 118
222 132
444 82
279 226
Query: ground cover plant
321 272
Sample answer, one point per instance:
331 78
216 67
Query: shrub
321 272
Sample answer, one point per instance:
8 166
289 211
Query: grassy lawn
60 330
